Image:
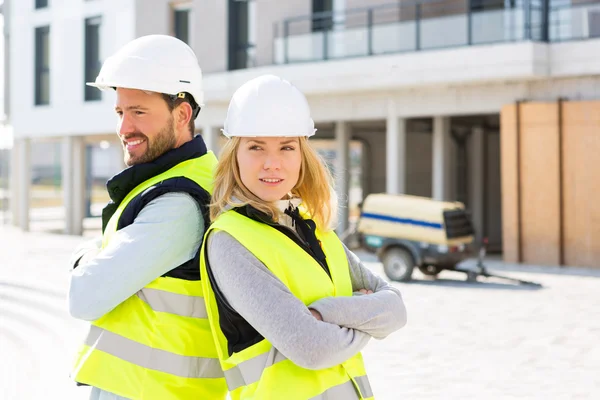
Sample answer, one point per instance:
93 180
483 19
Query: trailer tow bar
481 270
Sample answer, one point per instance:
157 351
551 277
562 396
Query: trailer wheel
430 270
398 264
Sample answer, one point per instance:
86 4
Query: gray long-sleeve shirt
166 233
269 306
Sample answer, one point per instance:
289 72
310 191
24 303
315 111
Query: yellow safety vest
157 344
261 371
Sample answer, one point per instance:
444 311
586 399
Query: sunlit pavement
484 340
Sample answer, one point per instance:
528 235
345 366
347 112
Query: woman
289 305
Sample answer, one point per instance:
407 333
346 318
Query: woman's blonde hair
314 186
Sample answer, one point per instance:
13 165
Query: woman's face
269 166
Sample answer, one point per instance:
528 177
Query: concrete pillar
342 173
79 184
441 158
477 179
73 183
67 181
395 152
13 188
211 137
24 182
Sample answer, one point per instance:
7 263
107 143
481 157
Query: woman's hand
316 314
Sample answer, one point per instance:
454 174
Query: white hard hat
268 106
155 63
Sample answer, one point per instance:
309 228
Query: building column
67 181
24 182
342 173
79 184
211 137
73 183
441 158
477 180
395 137
14 187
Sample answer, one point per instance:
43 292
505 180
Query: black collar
306 228
124 182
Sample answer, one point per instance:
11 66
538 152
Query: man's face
145 125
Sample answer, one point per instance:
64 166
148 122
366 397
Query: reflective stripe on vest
249 371
347 390
156 344
174 303
147 357
261 371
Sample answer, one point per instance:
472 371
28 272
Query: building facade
406 95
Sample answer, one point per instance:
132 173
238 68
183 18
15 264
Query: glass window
182 24
41 3
242 34
42 65
92 57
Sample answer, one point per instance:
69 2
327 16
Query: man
140 286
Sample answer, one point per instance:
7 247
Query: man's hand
87 257
85 252
318 315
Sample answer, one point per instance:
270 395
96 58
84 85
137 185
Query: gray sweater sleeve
166 233
377 314
268 305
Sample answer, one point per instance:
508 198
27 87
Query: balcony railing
574 21
431 24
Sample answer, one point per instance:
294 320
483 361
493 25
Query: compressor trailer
411 231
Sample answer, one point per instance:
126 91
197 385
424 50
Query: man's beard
162 142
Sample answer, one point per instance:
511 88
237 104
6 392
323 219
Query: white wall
469 80
1 70
459 66
67 113
430 101
210 34
153 17
575 58
270 12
